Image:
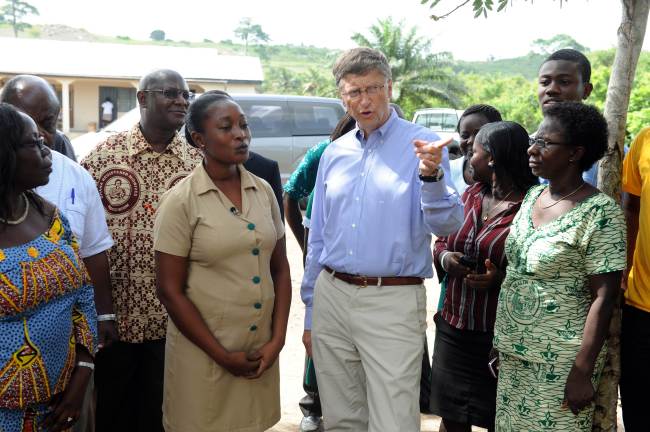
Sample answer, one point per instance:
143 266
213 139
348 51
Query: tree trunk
630 40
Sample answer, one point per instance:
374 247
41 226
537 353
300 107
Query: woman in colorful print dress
47 311
463 392
566 251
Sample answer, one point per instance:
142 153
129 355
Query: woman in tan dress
223 276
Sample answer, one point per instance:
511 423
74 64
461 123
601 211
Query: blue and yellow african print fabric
46 308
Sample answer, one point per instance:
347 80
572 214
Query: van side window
450 122
310 118
423 120
267 119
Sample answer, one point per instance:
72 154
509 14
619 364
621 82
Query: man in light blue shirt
380 193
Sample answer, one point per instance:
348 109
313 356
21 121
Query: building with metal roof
84 74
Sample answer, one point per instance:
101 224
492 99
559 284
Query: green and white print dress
543 306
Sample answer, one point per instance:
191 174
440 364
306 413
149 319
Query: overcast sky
330 23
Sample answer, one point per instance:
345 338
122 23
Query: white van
283 127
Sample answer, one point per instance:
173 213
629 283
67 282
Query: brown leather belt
364 281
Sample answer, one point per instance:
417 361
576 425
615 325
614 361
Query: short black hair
157 76
488 111
198 109
583 126
575 56
508 142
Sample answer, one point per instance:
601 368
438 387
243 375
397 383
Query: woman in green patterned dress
566 250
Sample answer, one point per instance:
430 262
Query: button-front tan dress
229 281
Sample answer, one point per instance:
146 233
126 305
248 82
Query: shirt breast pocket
76 212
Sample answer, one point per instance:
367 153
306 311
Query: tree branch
436 17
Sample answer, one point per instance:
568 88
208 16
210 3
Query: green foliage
514 96
638 114
157 35
313 82
548 46
13 11
249 32
526 66
418 75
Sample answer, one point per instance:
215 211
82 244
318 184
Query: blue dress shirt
372 215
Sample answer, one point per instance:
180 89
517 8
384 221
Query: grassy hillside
526 66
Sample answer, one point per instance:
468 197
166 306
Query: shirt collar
138 143
204 183
382 130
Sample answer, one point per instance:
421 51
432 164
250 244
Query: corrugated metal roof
105 60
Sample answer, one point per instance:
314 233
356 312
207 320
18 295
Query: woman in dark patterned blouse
463 390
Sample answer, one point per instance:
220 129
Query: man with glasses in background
142 163
376 205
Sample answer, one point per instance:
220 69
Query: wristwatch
437 176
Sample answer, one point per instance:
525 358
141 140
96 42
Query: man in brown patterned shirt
132 170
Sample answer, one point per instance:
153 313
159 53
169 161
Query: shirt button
253 327
257 305
251 226
356 199
363 174
256 279
350 253
354 225
255 251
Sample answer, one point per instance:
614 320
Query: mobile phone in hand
468 261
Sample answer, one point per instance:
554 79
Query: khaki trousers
367 343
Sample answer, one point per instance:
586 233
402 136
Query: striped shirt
464 307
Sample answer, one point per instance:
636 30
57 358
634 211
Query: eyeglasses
543 144
38 142
172 93
370 91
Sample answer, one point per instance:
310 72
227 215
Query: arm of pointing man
441 206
